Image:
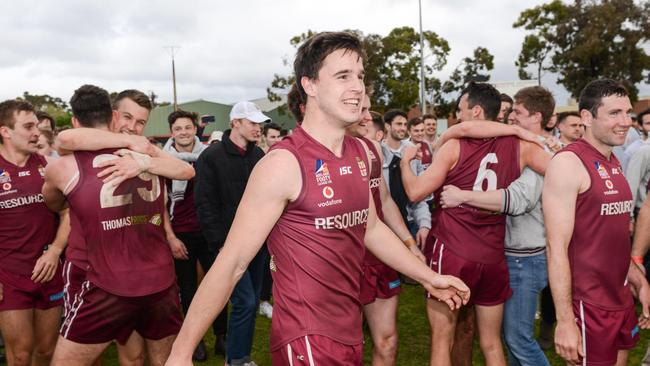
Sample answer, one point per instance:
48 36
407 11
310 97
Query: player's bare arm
266 196
641 290
383 243
565 179
46 265
417 188
91 139
641 242
533 156
58 176
486 129
453 196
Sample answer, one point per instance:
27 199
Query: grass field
413 343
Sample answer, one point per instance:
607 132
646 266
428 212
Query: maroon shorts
20 292
317 350
97 316
605 332
379 282
73 279
489 283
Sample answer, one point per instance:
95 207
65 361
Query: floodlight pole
422 90
172 49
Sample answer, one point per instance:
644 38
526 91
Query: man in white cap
222 171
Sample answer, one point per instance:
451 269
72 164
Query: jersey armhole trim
303 175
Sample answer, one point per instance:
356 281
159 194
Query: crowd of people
108 238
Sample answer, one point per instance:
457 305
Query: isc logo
345 170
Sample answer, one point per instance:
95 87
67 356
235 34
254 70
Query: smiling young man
31 288
587 205
317 214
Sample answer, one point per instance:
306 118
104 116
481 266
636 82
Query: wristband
409 242
637 259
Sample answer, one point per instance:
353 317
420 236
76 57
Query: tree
53 106
587 40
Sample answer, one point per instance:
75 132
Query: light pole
422 90
172 49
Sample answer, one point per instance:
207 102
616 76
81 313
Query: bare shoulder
566 170
278 172
61 169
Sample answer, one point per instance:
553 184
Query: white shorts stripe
66 288
442 247
584 338
290 354
309 355
78 301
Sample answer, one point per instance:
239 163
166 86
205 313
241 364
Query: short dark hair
390 115
91 106
9 108
312 53
485 96
537 99
295 103
270 126
137 96
414 122
182 114
562 116
49 136
591 97
378 121
40 115
643 113
429 116
506 98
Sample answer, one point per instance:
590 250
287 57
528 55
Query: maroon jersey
183 212
599 251
27 225
75 251
122 227
375 180
483 165
426 154
317 244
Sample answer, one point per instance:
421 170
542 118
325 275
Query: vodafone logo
609 184
7 186
328 192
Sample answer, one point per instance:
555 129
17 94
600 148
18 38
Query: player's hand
118 170
409 153
568 342
526 135
644 299
553 143
451 196
46 265
179 250
449 289
421 237
418 253
139 144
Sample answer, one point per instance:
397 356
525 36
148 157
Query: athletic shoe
220 345
200 353
266 309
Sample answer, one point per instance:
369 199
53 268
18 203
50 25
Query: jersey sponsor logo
345 170
6 186
374 183
4 176
600 168
362 167
21 201
24 173
342 221
328 192
616 171
609 184
131 221
41 171
12 191
372 155
330 203
57 296
322 173
616 208
394 284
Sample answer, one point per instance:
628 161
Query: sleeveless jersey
128 254
600 249
427 157
317 245
483 165
75 251
375 180
27 225
183 212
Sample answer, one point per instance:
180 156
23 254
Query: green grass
413 338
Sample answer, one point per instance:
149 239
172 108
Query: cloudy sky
229 49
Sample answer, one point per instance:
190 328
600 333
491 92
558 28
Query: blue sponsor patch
57 296
635 330
394 284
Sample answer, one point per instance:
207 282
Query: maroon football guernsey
75 251
427 157
127 252
483 165
183 213
375 180
599 251
27 225
317 245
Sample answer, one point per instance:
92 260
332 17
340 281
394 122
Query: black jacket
221 176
